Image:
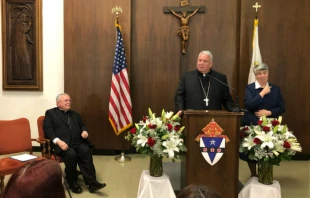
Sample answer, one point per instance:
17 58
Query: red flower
133 130
259 122
266 128
286 145
242 135
275 123
144 118
177 127
245 128
152 126
169 126
256 141
151 141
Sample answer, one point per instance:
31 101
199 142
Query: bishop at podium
201 89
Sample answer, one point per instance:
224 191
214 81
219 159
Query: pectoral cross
207 101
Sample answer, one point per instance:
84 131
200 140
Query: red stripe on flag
120 107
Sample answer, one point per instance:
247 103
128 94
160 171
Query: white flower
288 135
280 119
248 142
170 136
171 146
291 140
168 142
295 146
267 139
257 130
279 146
275 152
141 123
159 122
141 140
168 115
273 144
280 127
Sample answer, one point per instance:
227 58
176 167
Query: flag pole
122 158
256 55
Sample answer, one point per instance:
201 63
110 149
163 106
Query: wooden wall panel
285 47
156 48
156 57
156 62
90 38
217 31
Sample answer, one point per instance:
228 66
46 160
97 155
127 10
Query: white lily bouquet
160 136
269 141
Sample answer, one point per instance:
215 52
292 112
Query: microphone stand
236 108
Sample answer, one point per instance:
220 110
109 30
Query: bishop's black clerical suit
194 87
68 126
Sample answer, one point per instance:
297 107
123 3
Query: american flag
120 115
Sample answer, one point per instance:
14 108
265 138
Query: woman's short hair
38 178
260 67
197 191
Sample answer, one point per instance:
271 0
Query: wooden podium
222 176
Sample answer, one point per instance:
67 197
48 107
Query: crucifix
183 31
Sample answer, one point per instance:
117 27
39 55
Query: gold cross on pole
256 6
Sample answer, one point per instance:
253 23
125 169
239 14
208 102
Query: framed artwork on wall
22 45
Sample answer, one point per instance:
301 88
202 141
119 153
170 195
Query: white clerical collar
62 110
205 74
257 86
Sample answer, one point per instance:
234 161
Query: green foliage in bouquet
161 136
269 141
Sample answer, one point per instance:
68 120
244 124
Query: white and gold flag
256 56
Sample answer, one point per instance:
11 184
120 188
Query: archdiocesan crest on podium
212 142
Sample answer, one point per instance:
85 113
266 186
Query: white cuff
55 140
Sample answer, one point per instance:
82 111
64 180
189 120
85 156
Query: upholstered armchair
15 138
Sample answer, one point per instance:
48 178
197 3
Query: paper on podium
24 157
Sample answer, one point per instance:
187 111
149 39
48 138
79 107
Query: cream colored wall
32 104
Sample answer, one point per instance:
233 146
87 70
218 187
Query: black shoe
76 188
96 186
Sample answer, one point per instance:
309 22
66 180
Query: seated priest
65 128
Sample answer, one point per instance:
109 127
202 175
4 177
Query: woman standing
261 98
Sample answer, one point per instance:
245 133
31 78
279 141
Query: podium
222 176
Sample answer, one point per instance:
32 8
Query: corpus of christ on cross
184 17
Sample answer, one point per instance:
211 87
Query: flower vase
265 172
156 166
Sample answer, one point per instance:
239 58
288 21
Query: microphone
236 108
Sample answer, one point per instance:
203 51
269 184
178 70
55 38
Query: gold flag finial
117 9
256 6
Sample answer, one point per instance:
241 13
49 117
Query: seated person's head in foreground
38 178
197 191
